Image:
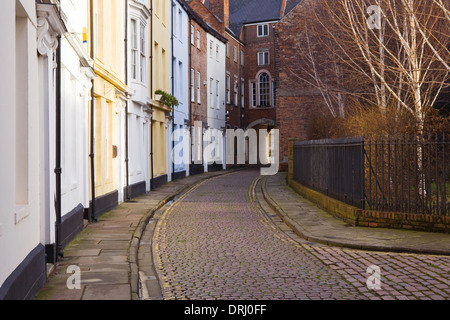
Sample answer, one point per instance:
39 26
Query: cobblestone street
216 242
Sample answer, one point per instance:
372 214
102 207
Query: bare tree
404 56
318 64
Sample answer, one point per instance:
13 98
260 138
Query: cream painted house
160 78
110 95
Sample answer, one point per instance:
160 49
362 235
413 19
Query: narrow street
216 242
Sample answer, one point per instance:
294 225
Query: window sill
22 212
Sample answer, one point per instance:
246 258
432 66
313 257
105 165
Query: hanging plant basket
166 98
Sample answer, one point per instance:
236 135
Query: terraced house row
87 116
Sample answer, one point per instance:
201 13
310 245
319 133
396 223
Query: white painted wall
216 72
216 89
138 117
19 135
181 74
76 83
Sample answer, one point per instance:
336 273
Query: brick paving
216 244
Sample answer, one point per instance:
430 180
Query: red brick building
295 100
252 87
253 22
200 23
234 96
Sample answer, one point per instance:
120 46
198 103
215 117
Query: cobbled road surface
216 243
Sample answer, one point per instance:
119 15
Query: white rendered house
27 86
180 78
139 114
216 98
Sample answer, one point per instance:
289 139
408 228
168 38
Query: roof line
283 8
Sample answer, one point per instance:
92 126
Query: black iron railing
334 167
408 174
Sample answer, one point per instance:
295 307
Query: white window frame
211 92
192 85
235 53
242 57
228 84
192 34
211 46
217 94
217 51
262 30
253 94
267 91
198 39
262 58
242 92
143 58
199 88
236 91
134 49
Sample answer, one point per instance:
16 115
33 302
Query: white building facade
139 113
180 79
28 65
215 138
77 73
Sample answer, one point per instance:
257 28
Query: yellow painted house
107 50
160 75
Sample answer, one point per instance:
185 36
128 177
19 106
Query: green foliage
167 99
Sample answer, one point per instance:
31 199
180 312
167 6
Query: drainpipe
189 99
127 193
274 79
58 170
92 151
151 94
190 67
173 94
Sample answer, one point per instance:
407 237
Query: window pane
254 94
242 92
142 34
228 88
217 94
198 87
192 85
264 90
133 34
198 39
211 83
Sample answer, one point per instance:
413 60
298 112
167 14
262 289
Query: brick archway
262 121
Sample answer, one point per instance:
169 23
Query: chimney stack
221 8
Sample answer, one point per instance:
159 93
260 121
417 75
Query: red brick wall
233 68
221 8
207 16
254 44
198 59
295 100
